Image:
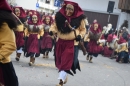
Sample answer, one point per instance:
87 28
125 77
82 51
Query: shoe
30 63
60 83
121 61
87 58
44 56
17 58
90 60
47 56
66 80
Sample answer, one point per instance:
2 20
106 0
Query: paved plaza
102 72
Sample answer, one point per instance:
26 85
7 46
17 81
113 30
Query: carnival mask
95 26
30 13
17 11
69 10
47 20
34 19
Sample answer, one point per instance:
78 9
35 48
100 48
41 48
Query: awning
124 5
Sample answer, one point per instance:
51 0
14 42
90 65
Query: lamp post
109 17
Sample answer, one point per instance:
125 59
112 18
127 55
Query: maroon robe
65 54
33 44
19 38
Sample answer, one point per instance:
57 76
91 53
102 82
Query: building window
47 1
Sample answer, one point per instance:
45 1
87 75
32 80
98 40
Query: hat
39 22
77 10
22 12
5 6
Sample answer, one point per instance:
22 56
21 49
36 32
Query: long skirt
7 75
66 56
32 46
46 43
107 52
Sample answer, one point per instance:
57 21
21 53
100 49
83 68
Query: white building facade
99 6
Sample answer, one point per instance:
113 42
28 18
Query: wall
27 4
31 4
101 6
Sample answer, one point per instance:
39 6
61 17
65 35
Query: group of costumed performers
7 45
30 35
111 41
70 28
116 44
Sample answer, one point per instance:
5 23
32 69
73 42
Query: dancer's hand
68 24
1 84
78 38
51 33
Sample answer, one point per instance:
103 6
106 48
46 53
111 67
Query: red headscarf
77 10
5 6
22 12
32 11
39 22
95 31
51 20
121 40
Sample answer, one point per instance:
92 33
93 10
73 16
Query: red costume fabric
19 39
33 44
93 47
20 34
65 48
65 54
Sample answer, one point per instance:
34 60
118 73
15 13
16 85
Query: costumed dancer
19 32
7 45
35 33
93 47
70 28
47 42
122 50
111 38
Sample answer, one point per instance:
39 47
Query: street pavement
102 72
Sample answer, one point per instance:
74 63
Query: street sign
57 3
37 5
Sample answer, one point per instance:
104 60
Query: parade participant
35 32
111 43
106 30
46 43
122 50
19 32
70 28
95 34
7 45
125 24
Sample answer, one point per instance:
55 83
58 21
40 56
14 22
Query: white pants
20 50
62 75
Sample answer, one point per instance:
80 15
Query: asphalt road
102 72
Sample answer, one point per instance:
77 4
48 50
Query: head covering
32 11
39 22
121 40
5 6
77 10
22 12
51 20
98 29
